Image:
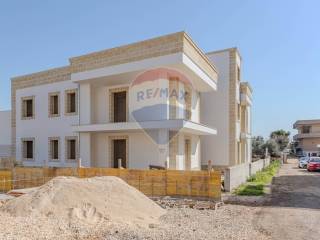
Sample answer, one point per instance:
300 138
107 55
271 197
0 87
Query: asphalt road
293 211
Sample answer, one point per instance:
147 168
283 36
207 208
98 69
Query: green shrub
255 184
250 190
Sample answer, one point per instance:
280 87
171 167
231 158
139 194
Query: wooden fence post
24 179
176 187
139 183
209 165
152 186
166 184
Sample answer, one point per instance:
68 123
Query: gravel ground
227 222
293 211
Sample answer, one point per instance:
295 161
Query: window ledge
27 118
54 160
54 115
28 159
71 114
71 160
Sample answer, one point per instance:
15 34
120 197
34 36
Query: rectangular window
71 148
28 149
27 107
54 149
120 106
54 109
238 74
306 129
118 110
71 102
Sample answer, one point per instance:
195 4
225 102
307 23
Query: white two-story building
86 110
150 103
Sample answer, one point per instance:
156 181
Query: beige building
95 109
308 137
97 113
228 109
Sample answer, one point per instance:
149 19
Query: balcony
245 136
245 94
306 135
245 100
176 51
172 125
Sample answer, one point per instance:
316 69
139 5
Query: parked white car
303 162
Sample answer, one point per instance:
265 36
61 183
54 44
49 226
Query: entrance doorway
119 152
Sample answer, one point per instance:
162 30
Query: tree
257 146
281 137
273 148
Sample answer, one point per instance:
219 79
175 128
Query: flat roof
154 47
306 122
225 50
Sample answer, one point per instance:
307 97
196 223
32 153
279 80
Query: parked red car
314 164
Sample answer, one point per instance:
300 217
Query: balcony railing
307 135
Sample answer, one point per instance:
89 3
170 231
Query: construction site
80 203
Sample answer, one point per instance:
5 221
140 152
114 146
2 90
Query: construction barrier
5 180
199 184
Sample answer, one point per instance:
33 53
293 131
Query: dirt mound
89 200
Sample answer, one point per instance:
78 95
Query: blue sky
279 42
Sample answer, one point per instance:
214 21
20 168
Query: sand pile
89 200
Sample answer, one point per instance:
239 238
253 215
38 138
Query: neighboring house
86 109
229 110
308 137
5 134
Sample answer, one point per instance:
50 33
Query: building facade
103 109
308 137
5 134
85 110
229 110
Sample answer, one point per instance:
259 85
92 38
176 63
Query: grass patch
255 184
250 190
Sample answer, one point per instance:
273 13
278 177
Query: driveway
293 211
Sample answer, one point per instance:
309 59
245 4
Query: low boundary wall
258 165
199 184
236 175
